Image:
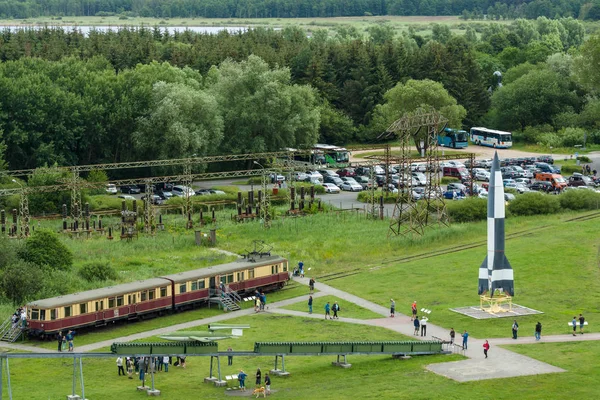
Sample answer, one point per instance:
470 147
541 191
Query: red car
346 172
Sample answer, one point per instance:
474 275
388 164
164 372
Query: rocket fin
483 277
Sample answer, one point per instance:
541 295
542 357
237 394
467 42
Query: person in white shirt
120 366
165 361
423 325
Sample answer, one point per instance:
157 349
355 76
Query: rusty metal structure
409 216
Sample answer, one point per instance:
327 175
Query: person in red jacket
486 347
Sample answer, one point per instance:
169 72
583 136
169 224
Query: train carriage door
99 309
212 283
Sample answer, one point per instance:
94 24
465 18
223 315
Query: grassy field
378 375
347 309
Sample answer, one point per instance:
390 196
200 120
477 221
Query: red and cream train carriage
154 296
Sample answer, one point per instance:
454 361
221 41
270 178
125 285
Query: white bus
492 138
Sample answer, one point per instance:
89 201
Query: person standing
311 285
242 379
267 384
120 366
452 335
465 340
327 309
574 323
258 377
263 301
229 358
129 365
416 325
581 321
423 324
69 338
335 308
414 310
310 300
301 269
515 329
538 331
59 339
392 308
486 347
165 361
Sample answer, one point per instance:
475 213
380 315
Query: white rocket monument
495 272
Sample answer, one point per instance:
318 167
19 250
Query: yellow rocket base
496 304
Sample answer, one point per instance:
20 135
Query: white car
487 162
481 175
111 189
521 188
180 191
300 176
314 175
331 188
126 197
418 167
351 186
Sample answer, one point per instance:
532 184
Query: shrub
44 248
467 210
446 180
569 169
534 203
388 198
584 159
579 200
98 271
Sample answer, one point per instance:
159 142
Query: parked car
331 188
509 197
300 176
454 195
164 194
276 178
545 167
578 179
509 183
546 159
346 172
363 181
351 186
182 191
420 178
126 197
130 189
154 199
523 181
481 175
542 186
521 188
163 186
418 167
311 175
111 188
333 179
327 172
457 186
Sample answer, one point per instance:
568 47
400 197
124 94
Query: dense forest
137 93
531 9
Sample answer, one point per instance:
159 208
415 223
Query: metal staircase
229 299
8 333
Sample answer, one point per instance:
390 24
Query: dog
258 391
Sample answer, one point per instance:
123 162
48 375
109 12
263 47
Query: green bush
584 159
569 169
319 189
446 180
388 198
98 271
579 200
45 249
534 203
467 210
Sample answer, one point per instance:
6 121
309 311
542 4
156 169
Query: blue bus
491 137
453 138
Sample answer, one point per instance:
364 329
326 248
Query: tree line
139 94
583 9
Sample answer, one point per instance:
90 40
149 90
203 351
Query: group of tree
300 8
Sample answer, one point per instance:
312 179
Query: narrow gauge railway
154 297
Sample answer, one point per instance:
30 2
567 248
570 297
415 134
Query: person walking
311 285
258 377
229 358
423 324
515 329
392 308
327 309
414 310
242 380
538 331
120 366
486 347
310 300
416 325
574 323
581 323
335 308
465 340
267 384
452 335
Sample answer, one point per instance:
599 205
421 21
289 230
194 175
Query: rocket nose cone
496 162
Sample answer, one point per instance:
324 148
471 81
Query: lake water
171 29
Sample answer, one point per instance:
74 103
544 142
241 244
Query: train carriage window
131 299
35 314
151 294
53 314
67 311
100 305
163 292
274 269
42 315
83 308
144 295
201 284
240 276
111 302
194 285
251 273
119 301
229 278
183 288
285 267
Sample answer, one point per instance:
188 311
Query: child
486 347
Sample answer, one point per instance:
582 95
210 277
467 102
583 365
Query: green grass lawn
347 309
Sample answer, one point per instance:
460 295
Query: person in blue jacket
242 379
465 337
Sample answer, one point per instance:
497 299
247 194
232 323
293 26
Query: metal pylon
187 200
149 207
434 202
76 207
265 203
24 214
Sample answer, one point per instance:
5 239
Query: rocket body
495 272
